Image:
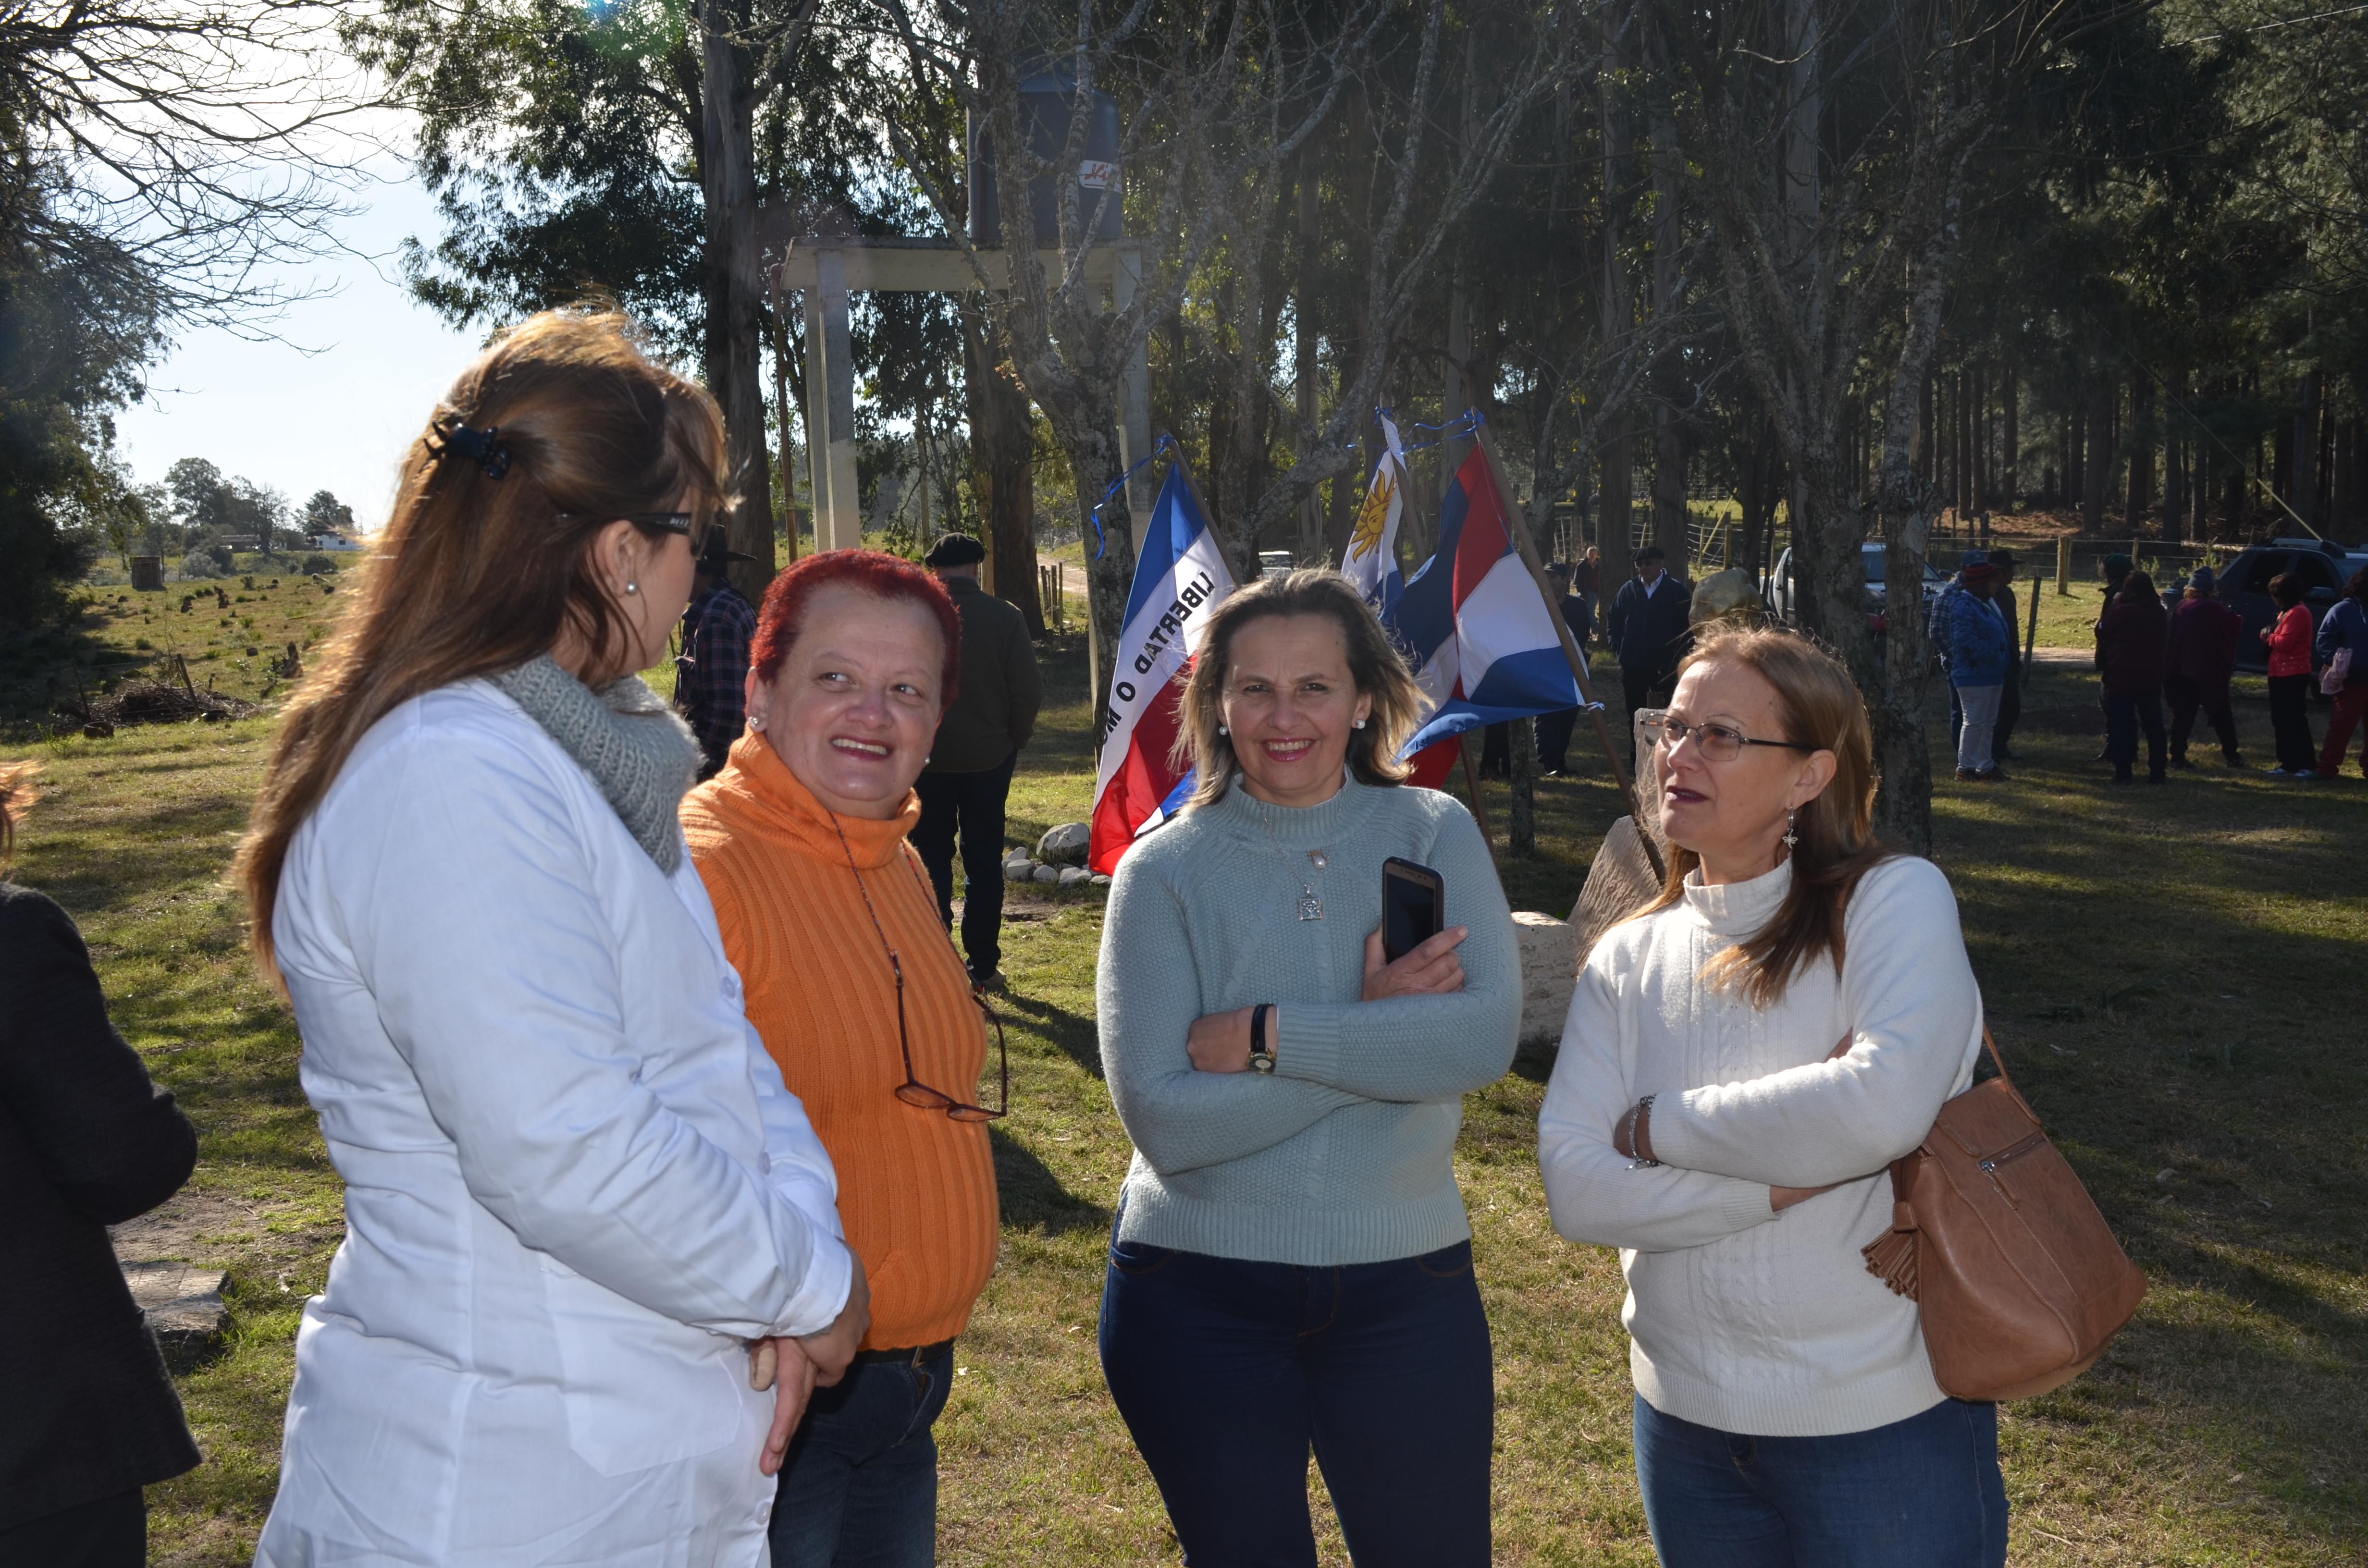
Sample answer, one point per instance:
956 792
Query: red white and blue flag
1179 578
1474 626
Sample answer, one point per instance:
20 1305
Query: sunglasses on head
702 536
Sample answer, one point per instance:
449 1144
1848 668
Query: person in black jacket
88 1416
967 781
1648 627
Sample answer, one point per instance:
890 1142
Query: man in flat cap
1649 631
968 776
710 672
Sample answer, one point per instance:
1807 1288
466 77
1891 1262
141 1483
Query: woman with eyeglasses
854 984
584 1219
1741 1064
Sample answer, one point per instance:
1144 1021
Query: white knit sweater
1740 1318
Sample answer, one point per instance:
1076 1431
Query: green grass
2173 973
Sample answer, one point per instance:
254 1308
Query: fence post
2064 564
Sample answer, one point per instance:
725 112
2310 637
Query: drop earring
1791 838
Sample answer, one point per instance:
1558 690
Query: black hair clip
483 448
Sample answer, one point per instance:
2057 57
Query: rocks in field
1549 956
183 1308
1019 868
1072 875
1047 874
1097 879
1065 845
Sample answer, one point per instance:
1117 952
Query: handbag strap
1997 1061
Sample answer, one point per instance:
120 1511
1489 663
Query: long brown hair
1820 707
475 574
1373 665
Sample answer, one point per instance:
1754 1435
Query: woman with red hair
858 994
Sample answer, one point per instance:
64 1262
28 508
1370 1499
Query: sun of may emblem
1375 512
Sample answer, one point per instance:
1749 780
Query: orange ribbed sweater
915 1188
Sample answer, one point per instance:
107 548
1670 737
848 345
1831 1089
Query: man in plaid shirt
711 674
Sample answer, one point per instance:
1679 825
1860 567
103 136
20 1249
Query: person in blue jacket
1649 625
1980 651
2344 629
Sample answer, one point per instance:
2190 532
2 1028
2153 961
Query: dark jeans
1226 1371
859 1488
970 805
2124 716
2186 697
2290 721
1923 1493
110 1533
1646 687
1554 738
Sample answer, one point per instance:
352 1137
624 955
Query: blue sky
333 403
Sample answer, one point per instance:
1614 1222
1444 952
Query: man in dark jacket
711 675
1648 631
2201 656
85 1142
969 773
2132 638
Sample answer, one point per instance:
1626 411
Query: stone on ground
183 1305
1549 951
1620 883
1022 870
1072 875
1064 844
1047 874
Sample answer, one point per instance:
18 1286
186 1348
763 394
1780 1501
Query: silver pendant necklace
1311 903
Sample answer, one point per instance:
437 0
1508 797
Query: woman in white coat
584 1222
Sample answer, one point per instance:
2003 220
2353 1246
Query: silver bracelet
1636 1120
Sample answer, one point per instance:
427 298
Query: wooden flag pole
1463 745
1518 527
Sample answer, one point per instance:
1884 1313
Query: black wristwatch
1261 1057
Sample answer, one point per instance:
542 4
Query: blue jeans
1923 1493
1228 1371
859 1488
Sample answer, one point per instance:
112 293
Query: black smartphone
1413 905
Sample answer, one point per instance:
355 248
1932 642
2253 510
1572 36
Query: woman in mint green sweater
1291 1264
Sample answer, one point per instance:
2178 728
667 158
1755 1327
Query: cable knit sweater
1740 1318
1345 1153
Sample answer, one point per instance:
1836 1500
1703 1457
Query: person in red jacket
2129 641
2202 656
2289 641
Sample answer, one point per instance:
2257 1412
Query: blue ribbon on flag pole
1101 541
1463 425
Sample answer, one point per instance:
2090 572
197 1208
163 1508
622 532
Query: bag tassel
1892 1258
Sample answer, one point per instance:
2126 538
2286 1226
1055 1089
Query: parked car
2324 567
1783 599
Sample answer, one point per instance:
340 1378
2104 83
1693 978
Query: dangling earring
1791 838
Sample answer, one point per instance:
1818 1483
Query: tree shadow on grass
1072 1033
1032 1197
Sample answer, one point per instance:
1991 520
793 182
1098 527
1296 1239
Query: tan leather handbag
2018 1279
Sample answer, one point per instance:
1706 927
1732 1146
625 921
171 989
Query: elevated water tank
1046 99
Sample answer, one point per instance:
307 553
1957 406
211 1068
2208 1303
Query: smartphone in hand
1414 906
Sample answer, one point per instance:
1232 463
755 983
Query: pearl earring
1222 729
1357 725
756 721
632 588
1791 838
